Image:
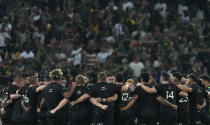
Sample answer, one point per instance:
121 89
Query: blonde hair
131 81
80 79
56 74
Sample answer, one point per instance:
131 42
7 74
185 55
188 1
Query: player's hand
27 109
126 87
3 104
74 84
99 100
138 84
53 111
38 110
10 101
175 107
198 107
136 121
122 109
73 103
104 107
172 79
2 112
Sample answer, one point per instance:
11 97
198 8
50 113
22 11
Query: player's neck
17 84
80 84
33 85
193 83
207 85
99 81
146 83
164 82
119 83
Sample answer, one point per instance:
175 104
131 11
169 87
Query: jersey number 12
124 96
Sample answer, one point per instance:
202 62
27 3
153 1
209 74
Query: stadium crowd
111 35
89 36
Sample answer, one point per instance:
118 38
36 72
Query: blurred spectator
157 62
102 55
111 6
0 59
118 28
90 57
161 8
4 36
60 55
27 54
136 67
77 55
8 26
127 4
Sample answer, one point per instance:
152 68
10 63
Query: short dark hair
102 76
199 82
24 75
205 77
177 75
165 76
145 77
119 77
17 78
153 75
32 72
47 77
63 78
33 79
109 74
193 77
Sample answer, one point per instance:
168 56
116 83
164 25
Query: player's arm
185 88
94 102
59 106
183 94
69 93
124 88
81 99
133 100
41 105
147 89
40 88
26 109
5 103
184 80
15 96
111 99
203 105
208 94
165 102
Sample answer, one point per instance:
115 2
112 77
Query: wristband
104 100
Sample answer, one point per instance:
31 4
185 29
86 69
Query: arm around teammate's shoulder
148 89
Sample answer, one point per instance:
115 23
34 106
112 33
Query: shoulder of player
13 87
138 88
149 85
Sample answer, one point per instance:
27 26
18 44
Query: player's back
80 110
169 92
148 103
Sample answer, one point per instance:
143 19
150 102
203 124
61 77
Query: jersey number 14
169 95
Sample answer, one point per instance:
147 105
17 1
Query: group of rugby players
176 100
